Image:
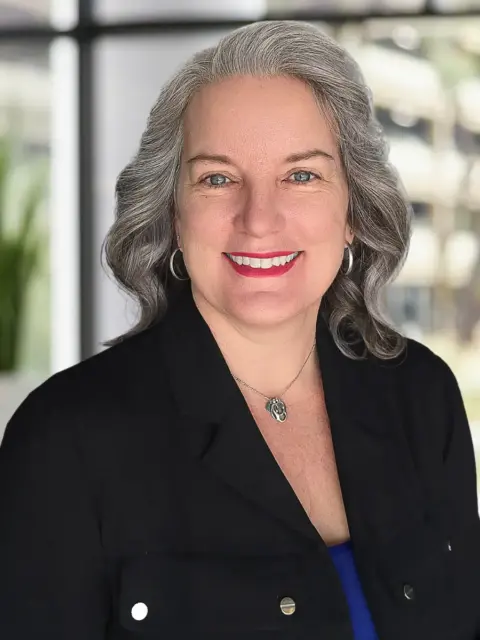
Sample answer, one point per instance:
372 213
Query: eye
304 177
217 180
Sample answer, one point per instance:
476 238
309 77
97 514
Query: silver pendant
277 409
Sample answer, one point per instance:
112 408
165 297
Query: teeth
263 263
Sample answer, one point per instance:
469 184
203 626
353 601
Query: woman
265 456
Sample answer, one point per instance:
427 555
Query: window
428 107
16 13
37 127
25 143
125 10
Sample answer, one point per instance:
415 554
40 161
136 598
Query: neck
266 357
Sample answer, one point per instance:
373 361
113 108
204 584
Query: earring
172 267
350 259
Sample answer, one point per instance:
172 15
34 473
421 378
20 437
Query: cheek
324 226
205 225
204 237
321 216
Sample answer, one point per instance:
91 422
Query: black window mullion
88 259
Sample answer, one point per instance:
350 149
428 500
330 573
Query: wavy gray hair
141 240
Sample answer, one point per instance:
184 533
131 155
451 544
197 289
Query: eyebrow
310 153
293 157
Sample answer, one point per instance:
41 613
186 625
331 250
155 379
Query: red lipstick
272 254
258 272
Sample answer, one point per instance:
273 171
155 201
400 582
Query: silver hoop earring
350 260
172 267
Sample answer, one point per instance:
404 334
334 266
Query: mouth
263 261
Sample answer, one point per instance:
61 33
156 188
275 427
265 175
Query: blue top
342 556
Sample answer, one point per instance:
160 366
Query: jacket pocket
416 570
235 595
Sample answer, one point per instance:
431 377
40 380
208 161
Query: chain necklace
275 406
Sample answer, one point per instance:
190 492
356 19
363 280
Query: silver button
139 611
287 606
449 545
409 592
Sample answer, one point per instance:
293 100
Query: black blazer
139 476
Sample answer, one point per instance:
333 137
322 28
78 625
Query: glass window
450 6
24 221
370 6
357 7
14 13
434 138
126 10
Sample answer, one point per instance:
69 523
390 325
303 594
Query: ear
349 235
176 228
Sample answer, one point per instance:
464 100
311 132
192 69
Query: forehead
258 115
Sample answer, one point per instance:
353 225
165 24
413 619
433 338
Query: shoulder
417 366
422 387
108 382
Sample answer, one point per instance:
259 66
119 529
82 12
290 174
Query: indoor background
77 80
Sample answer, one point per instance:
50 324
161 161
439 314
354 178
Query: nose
260 214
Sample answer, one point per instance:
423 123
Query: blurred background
77 80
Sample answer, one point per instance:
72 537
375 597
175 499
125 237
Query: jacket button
409 592
287 606
139 611
449 545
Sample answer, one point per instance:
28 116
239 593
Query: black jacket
139 476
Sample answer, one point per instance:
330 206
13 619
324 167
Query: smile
263 263
255 265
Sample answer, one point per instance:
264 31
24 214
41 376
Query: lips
262 264
271 254
262 261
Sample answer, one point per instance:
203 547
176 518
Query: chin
263 308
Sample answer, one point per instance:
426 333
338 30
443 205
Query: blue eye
218 180
215 182
305 175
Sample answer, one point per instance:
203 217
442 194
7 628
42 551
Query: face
261 200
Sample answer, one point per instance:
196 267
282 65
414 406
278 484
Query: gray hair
141 240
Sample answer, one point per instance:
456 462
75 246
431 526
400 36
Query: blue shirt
363 627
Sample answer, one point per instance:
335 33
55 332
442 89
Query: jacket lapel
380 485
216 422
377 476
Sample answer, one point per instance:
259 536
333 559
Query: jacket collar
377 475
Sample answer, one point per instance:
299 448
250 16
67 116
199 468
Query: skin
264 326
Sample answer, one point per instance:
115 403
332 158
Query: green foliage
20 250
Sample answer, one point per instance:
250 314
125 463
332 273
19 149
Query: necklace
275 406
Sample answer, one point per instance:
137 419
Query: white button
139 611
